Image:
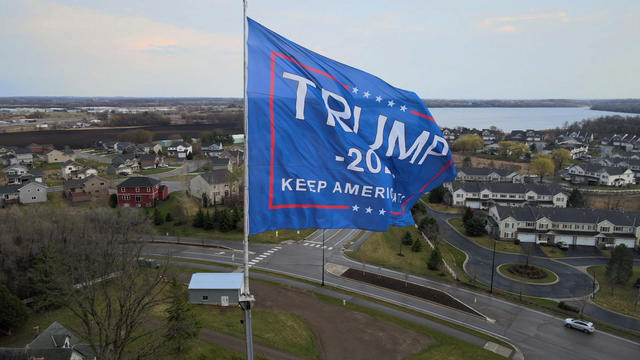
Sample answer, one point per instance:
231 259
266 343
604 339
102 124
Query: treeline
626 105
138 119
608 125
506 103
229 119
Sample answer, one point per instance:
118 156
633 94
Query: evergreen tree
198 219
434 259
113 200
475 226
417 245
225 222
13 313
436 195
407 239
157 217
620 266
182 324
429 226
208 221
205 200
468 214
168 218
575 199
46 279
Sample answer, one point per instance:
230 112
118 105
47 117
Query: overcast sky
439 49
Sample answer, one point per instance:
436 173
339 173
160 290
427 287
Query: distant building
594 174
57 156
27 193
55 343
141 191
215 184
179 150
479 195
488 175
89 188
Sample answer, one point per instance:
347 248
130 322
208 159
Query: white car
581 325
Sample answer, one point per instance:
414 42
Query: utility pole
322 269
594 285
493 265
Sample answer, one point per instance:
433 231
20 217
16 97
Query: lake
508 119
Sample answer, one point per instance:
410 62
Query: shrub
436 195
168 218
13 313
434 259
468 215
417 245
564 306
157 217
407 239
113 200
475 226
516 241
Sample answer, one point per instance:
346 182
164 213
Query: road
537 335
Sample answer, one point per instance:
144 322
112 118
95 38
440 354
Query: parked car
152 263
562 245
585 326
163 165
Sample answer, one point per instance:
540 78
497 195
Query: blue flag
331 146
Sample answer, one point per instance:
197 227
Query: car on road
151 263
163 165
584 326
562 245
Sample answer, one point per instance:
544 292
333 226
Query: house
573 226
125 147
479 195
179 150
15 174
57 156
149 148
126 164
140 191
215 184
220 164
29 192
488 175
210 149
595 174
55 343
149 161
75 170
40 149
92 187
24 156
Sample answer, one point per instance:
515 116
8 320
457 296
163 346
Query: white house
600 175
488 175
478 195
180 150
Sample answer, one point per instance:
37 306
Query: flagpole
247 299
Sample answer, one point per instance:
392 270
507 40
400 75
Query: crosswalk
264 255
317 245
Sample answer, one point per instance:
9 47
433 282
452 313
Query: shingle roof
220 161
9 189
575 215
47 339
485 171
139 181
215 176
540 189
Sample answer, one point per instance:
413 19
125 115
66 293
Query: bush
13 313
113 200
475 226
168 218
516 241
564 306
434 259
468 215
157 217
417 245
436 195
407 239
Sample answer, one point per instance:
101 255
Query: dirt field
342 333
522 168
625 202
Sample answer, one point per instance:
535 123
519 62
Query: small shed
222 289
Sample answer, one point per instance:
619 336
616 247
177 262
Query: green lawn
53 182
623 297
382 249
485 240
155 171
43 166
551 276
92 163
179 178
444 208
553 251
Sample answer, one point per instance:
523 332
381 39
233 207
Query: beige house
74 170
89 188
215 184
57 156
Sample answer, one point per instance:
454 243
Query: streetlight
493 265
322 269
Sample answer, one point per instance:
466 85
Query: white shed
222 289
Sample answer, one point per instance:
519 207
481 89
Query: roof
215 176
570 215
220 161
13 354
9 189
22 150
139 181
53 337
478 171
71 162
516 188
216 281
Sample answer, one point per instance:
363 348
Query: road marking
312 242
330 248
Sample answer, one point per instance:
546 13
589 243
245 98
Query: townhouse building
478 195
488 175
595 174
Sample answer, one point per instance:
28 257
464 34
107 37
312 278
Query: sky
576 49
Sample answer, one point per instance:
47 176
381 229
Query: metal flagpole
247 299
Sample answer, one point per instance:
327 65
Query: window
604 229
531 224
137 198
137 189
618 228
148 189
508 234
122 189
126 197
205 297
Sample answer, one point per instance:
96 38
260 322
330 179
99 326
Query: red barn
140 191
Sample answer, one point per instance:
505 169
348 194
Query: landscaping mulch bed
412 289
529 272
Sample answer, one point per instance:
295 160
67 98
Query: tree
168 218
468 214
429 226
225 222
436 195
189 156
182 324
205 200
13 313
542 166
435 259
475 226
418 208
113 200
407 239
575 199
466 162
561 156
533 148
468 143
208 221
198 219
157 217
513 149
218 138
138 136
417 245
620 265
47 285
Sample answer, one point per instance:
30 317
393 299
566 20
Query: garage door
527 237
473 204
630 243
586 240
567 239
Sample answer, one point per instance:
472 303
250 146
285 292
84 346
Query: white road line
306 244
313 242
330 248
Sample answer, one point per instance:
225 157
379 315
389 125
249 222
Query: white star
390 103
368 210
355 207
355 90
382 211
378 99
366 94
403 108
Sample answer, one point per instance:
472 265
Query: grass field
53 182
92 163
551 276
382 249
179 178
444 208
623 297
553 251
485 240
155 171
42 166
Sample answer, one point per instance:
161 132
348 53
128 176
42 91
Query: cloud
509 24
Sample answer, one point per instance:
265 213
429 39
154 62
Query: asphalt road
537 335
